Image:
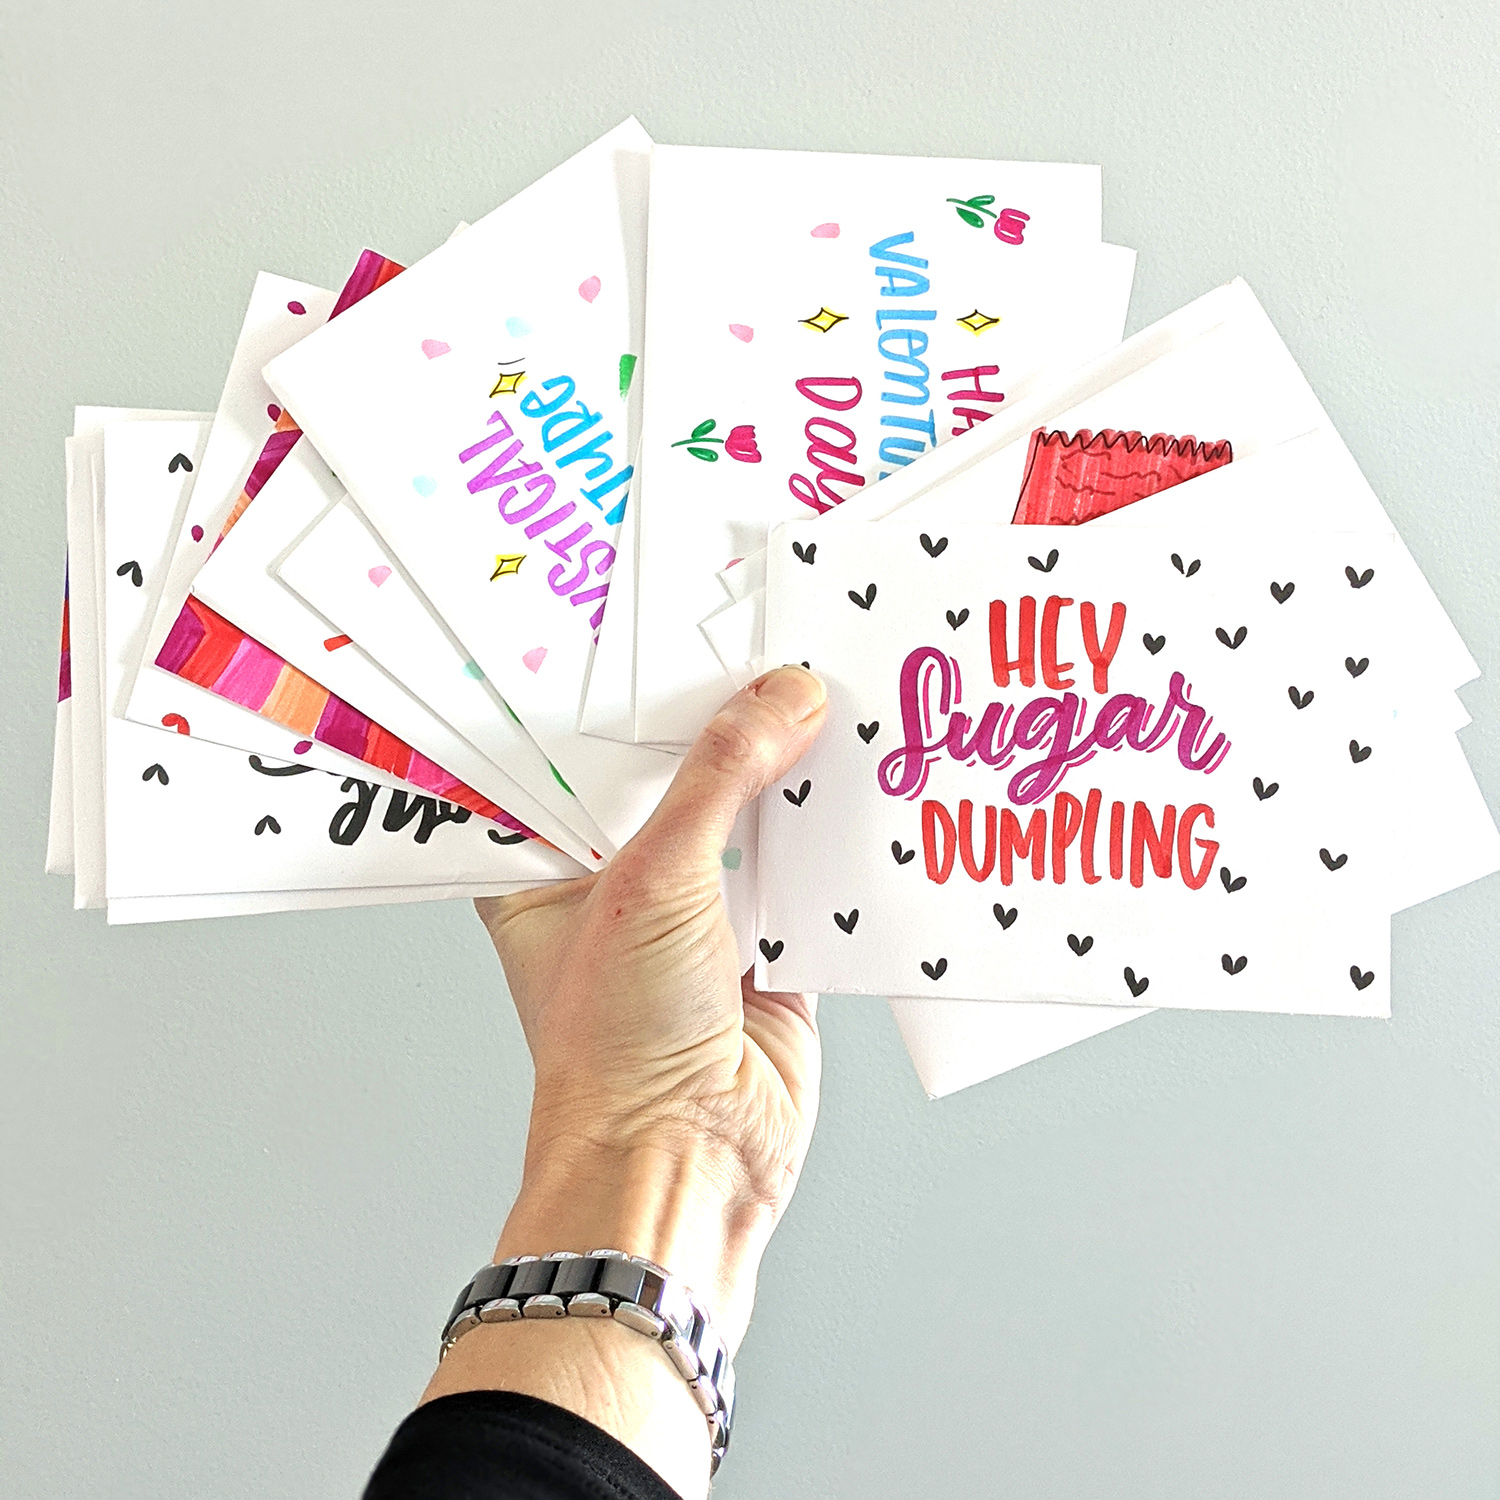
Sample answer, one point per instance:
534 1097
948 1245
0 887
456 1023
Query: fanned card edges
206 649
1074 477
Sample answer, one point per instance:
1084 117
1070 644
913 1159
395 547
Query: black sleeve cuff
496 1445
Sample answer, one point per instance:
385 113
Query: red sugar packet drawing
1074 478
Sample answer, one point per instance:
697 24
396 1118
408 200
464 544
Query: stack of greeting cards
1131 681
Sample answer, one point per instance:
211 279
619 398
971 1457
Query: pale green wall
243 1165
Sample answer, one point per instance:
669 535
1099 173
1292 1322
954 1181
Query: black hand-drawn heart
798 797
133 569
934 548
772 951
1153 643
1192 567
1233 965
1232 883
847 924
496 837
867 732
157 772
1236 641
1358 580
1281 592
937 970
267 824
955 620
180 461
1265 789
1358 752
900 855
805 554
1362 980
864 600
1299 700
1080 945
1138 987
1331 862
1044 567
1356 668
257 764
1005 915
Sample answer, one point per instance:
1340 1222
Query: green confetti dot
730 859
627 372
472 669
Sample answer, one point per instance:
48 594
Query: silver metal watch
609 1284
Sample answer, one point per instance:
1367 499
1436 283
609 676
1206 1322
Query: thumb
755 738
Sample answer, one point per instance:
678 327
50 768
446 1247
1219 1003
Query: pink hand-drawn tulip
740 444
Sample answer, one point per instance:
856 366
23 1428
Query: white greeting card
236 583
830 320
1214 370
185 817
1078 764
248 417
84 453
477 409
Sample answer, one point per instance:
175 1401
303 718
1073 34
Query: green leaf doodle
703 429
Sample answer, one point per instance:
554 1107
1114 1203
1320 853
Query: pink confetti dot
296 307
589 289
534 658
197 533
432 348
378 575
742 331
274 412
828 231
301 747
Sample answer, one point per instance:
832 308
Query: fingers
754 739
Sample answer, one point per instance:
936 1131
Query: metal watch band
609 1284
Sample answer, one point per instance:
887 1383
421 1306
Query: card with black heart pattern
1089 819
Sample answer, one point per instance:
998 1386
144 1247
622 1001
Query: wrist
674 1201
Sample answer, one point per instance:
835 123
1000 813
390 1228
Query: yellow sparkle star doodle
823 320
977 322
507 563
508 383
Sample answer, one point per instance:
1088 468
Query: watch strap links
635 1292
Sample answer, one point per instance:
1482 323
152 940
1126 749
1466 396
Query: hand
674 1101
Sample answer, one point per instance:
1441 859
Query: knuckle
734 740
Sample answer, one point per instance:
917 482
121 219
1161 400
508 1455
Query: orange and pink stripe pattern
205 648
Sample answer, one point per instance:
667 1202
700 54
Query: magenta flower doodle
1010 223
739 445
